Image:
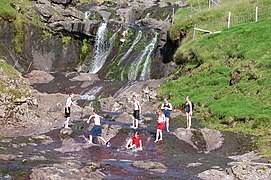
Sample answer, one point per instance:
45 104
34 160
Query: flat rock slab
151 166
214 174
36 76
7 157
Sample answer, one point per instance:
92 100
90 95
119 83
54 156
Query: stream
181 160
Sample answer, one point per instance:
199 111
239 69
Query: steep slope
227 76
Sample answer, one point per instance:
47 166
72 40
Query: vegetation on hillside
227 75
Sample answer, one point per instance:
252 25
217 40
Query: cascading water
131 48
102 48
146 72
136 64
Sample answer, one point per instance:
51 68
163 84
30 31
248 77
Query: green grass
6 9
211 62
214 19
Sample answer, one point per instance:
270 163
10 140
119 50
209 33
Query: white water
146 72
102 48
147 15
138 37
136 64
91 94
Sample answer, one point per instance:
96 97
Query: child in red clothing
135 142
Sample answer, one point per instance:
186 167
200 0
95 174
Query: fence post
229 20
194 33
209 4
256 18
173 16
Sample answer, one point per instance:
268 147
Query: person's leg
136 123
190 119
167 124
90 139
66 123
100 137
187 120
129 144
161 135
157 135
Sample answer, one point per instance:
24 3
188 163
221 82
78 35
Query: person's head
136 134
165 101
71 95
93 112
134 97
159 112
187 98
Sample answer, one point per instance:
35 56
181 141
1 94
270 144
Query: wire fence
228 19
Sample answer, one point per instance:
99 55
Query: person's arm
162 107
191 110
140 145
170 106
90 118
139 107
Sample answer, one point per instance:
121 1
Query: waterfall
146 68
131 48
102 48
86 14
147 15
145 74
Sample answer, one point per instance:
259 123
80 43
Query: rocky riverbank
40 148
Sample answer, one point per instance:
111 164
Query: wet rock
66 131
66 170
194 164
151 166
7 157
85 77
148 119
247 157
64 2
5 177
185 135
124 118
15 145
110 131
41 137
37 76
32 144
245 171
203 139
86 111
213 138
6 140
69 145
37 158
76 26
214 174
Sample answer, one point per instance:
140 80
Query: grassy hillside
227 76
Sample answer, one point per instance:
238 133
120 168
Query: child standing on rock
137 112
160 126
68 105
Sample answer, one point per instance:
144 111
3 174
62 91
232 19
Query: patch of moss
84 49
66 40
